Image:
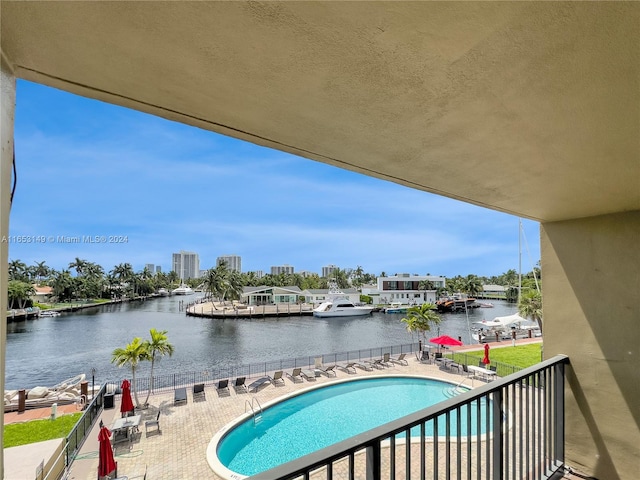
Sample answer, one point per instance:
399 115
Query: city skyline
134 188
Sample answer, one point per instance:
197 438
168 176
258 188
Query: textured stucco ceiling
529 108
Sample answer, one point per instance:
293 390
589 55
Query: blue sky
86 168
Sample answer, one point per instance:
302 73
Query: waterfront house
267 295
405 289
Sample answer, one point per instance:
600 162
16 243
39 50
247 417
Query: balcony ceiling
531 108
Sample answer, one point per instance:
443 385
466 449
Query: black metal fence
77 436
163 383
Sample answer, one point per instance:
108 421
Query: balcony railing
511 428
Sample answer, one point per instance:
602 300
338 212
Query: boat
182 290
339 305
49 313
456 302
163 292
396 307
503 328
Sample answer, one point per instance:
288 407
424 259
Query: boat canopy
502 322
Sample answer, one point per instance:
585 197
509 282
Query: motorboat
503 328
49 313
396 307
339 305
163 292
182 290
456 302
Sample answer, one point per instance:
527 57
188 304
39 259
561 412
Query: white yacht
182 290
339 305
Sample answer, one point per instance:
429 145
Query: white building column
7 115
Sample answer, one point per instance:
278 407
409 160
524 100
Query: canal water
46 351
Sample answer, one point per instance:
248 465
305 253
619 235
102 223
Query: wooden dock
211 310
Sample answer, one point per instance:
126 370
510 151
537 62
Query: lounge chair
180 395
152 423
296 375
423 357
277 378
400 360
386 360
223 388
328 371
310 375
198 392
239 385
366 366
349 367
377 364
255 386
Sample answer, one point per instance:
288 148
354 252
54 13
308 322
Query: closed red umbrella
126 405
486 360
106 462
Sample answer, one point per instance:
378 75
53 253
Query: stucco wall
591 291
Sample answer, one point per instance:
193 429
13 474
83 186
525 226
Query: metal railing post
497 432
559 413
373 461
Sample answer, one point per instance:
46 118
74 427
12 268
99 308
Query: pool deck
180 449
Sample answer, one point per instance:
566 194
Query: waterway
46 351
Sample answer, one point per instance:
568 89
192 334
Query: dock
236 310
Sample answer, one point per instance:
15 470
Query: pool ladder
255 411
450 392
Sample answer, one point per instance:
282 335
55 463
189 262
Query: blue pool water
316 419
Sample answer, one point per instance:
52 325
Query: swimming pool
323 416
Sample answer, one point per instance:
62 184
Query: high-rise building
158 269
234 262
328 270
186 265
278 269
150 267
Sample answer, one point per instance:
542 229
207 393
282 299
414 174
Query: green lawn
39 430
520 356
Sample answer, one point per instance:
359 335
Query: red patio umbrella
126 405
106 462
445 340
486 360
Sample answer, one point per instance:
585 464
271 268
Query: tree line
83 279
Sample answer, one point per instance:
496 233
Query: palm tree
217 281
19 293
131 355
530 306
158 346
79 265
17 270
41 270
420 318
473 285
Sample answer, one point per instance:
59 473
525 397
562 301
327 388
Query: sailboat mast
519 259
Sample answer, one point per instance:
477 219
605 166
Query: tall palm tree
530 306
79 265
157 348
41 270
420 319
131 355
